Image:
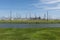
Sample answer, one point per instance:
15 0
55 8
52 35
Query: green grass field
30 21
29 33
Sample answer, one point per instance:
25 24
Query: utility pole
35 16
26 16
10 15
44 16
30 15
20 16
47 15
16 16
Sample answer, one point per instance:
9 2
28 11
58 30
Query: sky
30 7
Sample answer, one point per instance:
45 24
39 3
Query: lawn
29 33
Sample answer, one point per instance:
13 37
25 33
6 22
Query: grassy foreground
30 21
29 33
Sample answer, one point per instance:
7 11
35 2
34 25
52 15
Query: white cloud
56 7
49 8
49 1
39 5
43 4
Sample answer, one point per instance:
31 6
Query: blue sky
23 7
